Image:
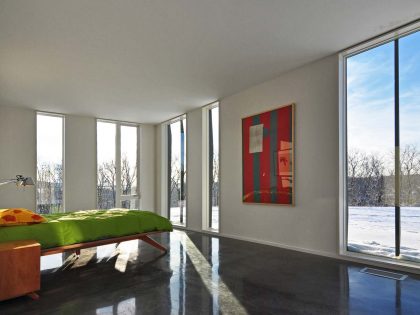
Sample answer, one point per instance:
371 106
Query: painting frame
268 157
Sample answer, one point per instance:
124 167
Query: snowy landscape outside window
383 149
213 173
177 171
49 177
117 165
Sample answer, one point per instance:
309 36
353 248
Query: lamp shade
28 181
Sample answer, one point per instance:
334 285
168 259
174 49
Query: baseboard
309 251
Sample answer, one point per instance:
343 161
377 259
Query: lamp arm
19 180
6 181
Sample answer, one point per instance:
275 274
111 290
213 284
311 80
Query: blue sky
370 84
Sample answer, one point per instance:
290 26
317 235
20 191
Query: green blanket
84 226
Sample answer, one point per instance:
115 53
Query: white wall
17 156
160 196
194 173
80 163
313 223
147 167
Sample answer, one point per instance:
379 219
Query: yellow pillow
19 216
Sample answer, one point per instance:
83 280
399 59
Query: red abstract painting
267 154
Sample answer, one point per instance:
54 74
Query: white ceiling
150 60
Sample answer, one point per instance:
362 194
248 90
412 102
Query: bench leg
153 243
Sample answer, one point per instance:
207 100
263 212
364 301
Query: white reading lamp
20 180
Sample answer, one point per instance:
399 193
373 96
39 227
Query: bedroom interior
234 157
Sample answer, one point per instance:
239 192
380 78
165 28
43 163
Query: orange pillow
19 216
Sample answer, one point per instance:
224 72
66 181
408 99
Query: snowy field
175 216
371 231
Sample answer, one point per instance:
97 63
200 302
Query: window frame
165 199
343 206
206 167
63 151
119 197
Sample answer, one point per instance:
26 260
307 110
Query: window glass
214 183
107 171
177 167
49 186
370 151
383 149
128 160
409 82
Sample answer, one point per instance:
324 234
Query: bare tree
410 168
128 176
175 182
49 194
366 179
106 185
107 178
216 182
354 160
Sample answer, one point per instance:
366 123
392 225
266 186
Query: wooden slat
79 246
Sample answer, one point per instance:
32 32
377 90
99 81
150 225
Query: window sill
384 262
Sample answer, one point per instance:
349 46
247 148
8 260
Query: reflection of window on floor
177 166
389 294
117 170
52 261
50 166
383 149
211 175
127 306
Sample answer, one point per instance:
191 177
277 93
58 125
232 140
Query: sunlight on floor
182 250
125 252
227 302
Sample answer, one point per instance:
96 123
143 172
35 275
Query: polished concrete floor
209 275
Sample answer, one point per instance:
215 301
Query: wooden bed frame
77 247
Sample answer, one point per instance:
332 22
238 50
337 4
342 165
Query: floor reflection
51 261
222 298
204 274
124 307
369 293
123 251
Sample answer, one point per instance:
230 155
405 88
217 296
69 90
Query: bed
74 231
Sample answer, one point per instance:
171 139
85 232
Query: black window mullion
397 149
211 151
169 169
182 196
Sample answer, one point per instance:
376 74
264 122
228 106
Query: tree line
50 184
49 188
175 182
371 178
107 179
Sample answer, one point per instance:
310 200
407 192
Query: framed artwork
268 157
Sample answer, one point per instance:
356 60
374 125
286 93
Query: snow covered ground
175 216
371 230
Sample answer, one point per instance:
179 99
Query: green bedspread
84 226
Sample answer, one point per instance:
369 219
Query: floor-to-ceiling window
382 155
128 168
117 165
106 134
177 170
211 174
409 110
50 163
